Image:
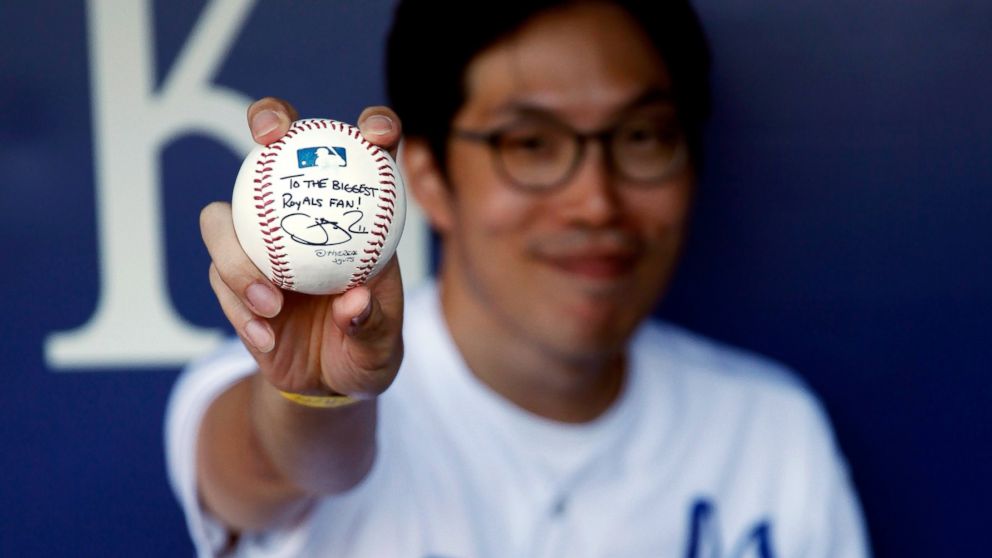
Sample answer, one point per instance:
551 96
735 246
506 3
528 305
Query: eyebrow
648 96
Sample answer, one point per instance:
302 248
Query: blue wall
840 227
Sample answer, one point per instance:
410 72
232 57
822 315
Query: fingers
269 119
234 269
255 331
381 126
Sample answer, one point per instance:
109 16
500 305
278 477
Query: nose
591 197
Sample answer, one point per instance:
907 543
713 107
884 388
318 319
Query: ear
426 182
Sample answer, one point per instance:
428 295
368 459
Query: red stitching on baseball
279 268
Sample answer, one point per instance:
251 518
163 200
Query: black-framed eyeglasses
541 154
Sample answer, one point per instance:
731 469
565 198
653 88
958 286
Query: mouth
595 266
608 257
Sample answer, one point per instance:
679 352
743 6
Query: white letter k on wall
135 323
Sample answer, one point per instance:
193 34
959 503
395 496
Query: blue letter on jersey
705 540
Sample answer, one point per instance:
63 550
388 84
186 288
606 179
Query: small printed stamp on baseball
321 210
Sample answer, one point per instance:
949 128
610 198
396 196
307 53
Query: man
553 147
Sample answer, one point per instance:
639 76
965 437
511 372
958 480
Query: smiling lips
600 255
596 266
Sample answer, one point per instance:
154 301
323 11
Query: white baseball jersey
707 453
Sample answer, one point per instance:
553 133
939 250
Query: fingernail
264 122
259 335
358 321
262 299
378 124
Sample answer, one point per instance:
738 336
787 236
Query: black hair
432 43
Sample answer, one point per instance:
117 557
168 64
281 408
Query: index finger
269 119
381 126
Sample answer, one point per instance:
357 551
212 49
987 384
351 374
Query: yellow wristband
319 401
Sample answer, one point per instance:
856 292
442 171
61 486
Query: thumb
371 313
357 313
370 317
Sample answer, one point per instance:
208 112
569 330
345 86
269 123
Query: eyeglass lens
542 154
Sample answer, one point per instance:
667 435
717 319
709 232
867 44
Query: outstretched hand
349 343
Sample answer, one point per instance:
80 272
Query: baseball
321 210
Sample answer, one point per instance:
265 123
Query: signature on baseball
317 231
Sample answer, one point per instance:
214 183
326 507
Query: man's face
576 268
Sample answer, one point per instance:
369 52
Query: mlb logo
321 157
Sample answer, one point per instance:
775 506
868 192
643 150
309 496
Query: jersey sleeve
197 387
847 535
837 527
